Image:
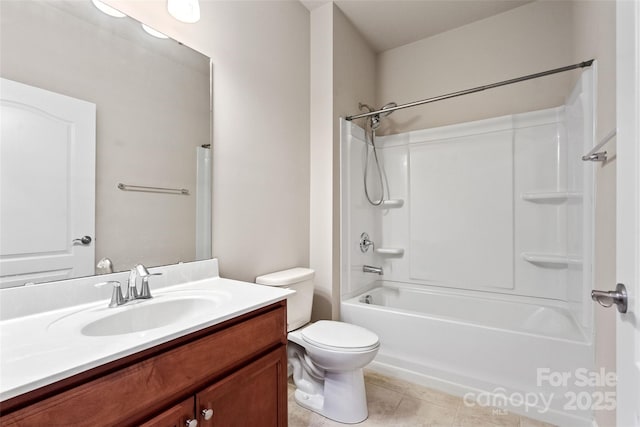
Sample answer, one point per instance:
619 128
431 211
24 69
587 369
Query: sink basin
178 308
149 315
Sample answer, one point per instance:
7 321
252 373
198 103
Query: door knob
85 240
191 423
608 298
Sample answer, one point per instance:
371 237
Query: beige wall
321 160
260 53
343 69
528 39
152 112
354 74
595 37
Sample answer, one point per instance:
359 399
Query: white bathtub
467 343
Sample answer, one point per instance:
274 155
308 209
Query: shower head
387 106
374 120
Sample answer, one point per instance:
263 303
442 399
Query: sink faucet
141 271
132 289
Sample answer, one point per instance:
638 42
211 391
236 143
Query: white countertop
42 348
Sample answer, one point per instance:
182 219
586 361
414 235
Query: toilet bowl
327 368
326 357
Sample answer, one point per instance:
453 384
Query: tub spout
371 269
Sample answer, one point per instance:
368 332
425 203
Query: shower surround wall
491 218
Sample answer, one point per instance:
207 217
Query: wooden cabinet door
176 416
256 395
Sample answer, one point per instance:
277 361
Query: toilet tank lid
286 277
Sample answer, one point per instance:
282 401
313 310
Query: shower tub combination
474 346
485 244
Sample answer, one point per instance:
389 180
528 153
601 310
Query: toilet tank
299 304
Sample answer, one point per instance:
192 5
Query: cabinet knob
192 423
207 413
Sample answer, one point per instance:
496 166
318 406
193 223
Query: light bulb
104 8
184 10
154 33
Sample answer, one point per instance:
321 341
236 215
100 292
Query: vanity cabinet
240 399
237 369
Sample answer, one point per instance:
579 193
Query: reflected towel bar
128 187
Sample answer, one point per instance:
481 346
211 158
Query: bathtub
496 349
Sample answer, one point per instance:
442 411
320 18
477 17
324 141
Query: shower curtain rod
474 90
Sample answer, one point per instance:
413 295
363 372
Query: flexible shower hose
372 133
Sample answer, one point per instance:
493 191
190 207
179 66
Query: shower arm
473 90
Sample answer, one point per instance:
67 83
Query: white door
628 210
47 185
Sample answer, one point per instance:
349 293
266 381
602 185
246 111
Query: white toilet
327 357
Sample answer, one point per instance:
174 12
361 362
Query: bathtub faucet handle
372 269
365 242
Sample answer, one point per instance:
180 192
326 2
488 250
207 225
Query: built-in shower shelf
551 197
550 260
389 251
392 203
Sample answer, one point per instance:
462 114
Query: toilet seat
340 336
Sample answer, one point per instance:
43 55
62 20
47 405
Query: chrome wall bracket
596 157
599 156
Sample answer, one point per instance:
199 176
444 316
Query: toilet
326 357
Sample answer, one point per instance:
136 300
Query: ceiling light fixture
154 33
184 10
104 8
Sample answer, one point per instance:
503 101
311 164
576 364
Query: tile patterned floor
397 403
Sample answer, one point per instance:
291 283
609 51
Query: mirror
152 103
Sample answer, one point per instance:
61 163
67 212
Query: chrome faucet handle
145 292
116 296
365 242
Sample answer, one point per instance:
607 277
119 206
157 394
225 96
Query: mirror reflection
92 105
